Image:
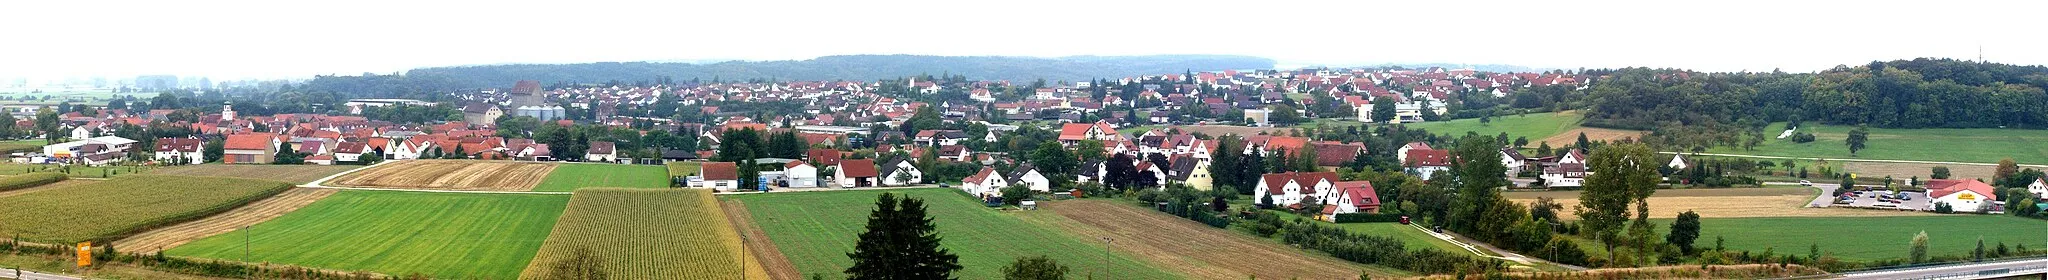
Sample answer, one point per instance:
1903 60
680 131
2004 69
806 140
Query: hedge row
1368 218
29 180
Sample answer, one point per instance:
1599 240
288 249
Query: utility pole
1105 255
245 243
743 256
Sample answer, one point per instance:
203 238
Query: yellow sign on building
1968 196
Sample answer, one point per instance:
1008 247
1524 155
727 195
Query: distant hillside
848 67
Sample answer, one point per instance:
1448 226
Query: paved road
1853 159
1960 271
31 275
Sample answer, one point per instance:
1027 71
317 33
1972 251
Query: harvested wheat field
771 258
297 174
474 175
1721 203
1592 134
1192 249
247 215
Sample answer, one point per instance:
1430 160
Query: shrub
1368 218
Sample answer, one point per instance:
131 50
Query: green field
675 234
116 208
815 230
399 233
569 177
75 171
95 97
1535 126
684 168
22 145
1868 238
1984 145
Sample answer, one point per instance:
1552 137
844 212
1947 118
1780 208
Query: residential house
984 183
933 138
184 150
601 151
723 176
1961 195
254 148
1351 197
1192 172
1678 162
1029 177
855 173
1076 132
1291 188
1401 154
2039 188
900 172
1564 175
349 151
1425 163
1514 160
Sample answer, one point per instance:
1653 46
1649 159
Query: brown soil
1720 203
1195 250
256 212
1570 137
451 175
50 186
297 174
758 245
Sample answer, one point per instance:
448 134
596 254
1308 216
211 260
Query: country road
31 275
1850 159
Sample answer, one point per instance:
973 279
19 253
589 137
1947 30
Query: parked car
1805 183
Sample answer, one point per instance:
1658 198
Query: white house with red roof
1351 197
1076 132
2039 188
986 182
1401 154
1425 163
1292 188
1961 195
186 150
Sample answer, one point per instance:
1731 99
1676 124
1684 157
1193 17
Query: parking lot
1885 199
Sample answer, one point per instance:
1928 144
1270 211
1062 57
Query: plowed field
450 175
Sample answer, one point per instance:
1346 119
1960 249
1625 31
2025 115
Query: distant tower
227 111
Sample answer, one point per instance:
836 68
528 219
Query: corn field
643 234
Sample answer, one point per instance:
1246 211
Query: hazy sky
295 39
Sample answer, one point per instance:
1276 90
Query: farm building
186 150
801 174
1961 195
899 172
91 151
855 173
723 176
254 148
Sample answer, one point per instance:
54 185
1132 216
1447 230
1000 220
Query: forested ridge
846 67
1920 93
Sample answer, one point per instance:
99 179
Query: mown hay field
126 205
450 175
440 235
647 234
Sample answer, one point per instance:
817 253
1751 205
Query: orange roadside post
85 254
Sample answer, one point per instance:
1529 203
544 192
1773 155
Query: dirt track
256 212
1193 249
451 175
758 245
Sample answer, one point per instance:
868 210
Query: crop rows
646 234
126 205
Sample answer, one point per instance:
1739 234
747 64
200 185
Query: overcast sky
295 39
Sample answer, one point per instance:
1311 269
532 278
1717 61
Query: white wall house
910 175
1030 178
801 174
1294 187
986 182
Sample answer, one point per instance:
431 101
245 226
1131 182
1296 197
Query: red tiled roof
856 168
721 171
1937 188
1428 157
980 176
824 157
1074 131
252 141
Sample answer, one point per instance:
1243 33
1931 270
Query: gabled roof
721 171
1336 154
601 147
349 148
823 156
895 164
183 145
1017 175
1361 192
857 168
978 177
1074 131
1183 167
1937 188
252 141
1428 157
1513 153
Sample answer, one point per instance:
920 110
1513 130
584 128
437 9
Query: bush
28 180
1368 218
1368 249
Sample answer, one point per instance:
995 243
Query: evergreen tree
900 243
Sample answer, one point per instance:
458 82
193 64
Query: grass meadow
441 235
815 230
1979 145
569 177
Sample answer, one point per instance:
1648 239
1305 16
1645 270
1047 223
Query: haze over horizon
270 40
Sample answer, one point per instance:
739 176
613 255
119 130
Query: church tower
227 111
